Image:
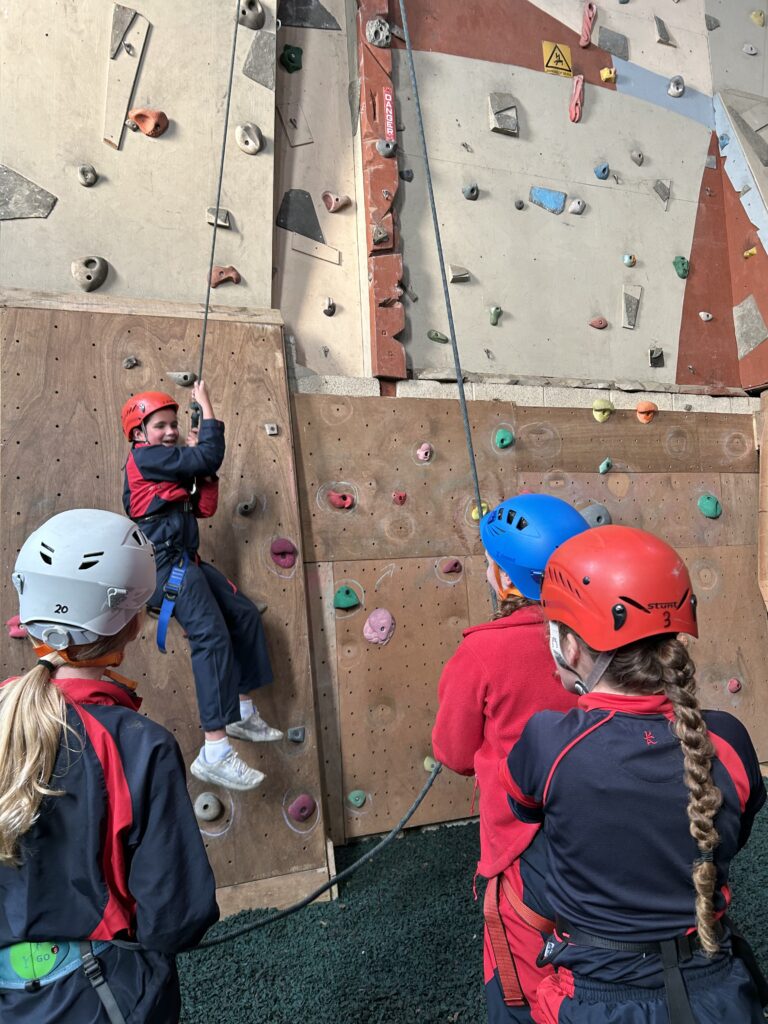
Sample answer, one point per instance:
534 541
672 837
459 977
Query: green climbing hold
495 315
290 58
682 266
504 438
356 798
605 466
429 764
345 597
438 336
710 506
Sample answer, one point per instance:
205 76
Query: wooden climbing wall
376 705
63 385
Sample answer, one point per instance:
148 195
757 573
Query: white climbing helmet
82 575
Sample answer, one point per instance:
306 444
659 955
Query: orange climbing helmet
137 408
616 585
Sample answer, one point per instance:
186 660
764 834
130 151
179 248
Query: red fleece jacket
501 674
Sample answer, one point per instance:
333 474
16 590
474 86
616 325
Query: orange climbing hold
221 274
150 122
645 411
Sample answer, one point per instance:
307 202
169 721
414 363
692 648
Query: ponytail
508 605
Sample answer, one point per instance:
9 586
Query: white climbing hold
637 157
676 86
457 273
86 175
249 138
749 49
577 206
706 317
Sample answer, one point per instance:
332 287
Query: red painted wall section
710 348
503 31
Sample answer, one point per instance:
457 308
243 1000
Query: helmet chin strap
596 673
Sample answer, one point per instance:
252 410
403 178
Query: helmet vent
681 602
521 523
510 516
91 559
44 554
139 538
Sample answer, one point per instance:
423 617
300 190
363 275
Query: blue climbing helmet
522 532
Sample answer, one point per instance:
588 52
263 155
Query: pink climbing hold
599 323
399 497
15 629
425 452
379 626
334 203
451 567
302 808
734 685
588 23
341 500
577 99
283 552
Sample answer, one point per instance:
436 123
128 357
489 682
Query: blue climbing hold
548 199
602 171
723 139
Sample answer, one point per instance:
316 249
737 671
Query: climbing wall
422 561
63 386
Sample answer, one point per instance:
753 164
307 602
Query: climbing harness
170 593
509 980
342 875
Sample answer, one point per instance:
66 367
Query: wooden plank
63 386
727 442
122 73
277 892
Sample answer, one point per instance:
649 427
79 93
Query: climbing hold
629 259
356 798
504 438
283 552
605 466
429 764
749 49
129 362
682 266
750 252
577 99
471 191
251 14
399 497
645 411
452 567
663 190
271 429
759 18
406 174
341 499
378 32
345 597
334 203
602 409
387 147
208 807
86 175
548 199
221 274
662 33
150 122
184 378
290 58
457 273
425 452
438 336
602 171
630 300
131 125
637 157
302 808
588 23
249 138
711 22
596 514
15 629
599 323
656 357
379 627
706 317
608 74
246 508
329 307
519 204
502 114
734 685
90 272
709 506
379 234
676 86
296 734
494 314
577 207
477 514
221 221
723 139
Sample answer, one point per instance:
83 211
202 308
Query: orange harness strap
511 989
541 924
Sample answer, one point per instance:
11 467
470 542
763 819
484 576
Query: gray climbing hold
630 302
548 199
629 259
663 190
711 162
249 138
129 362
438 336
519 204
296 734
222 221
613 42
605 466
184 378
711 22
676 86
387 147
86 175
494 314
306 14
457 273
379 234
21 198
90 272
208 807
297 213
406 174
662 33
121 22
577 207
329 307
251 14
656 357
471 191
749 49
259 64
749 325
249 506
596 514
378 32
502 113
637 156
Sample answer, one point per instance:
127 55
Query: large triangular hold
297 213
756 141
121 22
260 63
306 14
502 110
21 198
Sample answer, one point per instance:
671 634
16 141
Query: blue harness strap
170 593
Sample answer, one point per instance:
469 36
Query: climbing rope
342 875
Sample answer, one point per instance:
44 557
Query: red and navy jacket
167 488
607 781
119 855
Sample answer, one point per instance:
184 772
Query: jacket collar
630 704
114 691
530 615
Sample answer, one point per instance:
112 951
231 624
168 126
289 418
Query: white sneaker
255 729
231 772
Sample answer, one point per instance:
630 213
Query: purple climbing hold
302 808
451 567
425 452
379 626
283 552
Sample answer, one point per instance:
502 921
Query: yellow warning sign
557 59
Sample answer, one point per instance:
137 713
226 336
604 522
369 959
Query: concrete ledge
358 387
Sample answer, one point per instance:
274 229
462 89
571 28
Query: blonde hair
33 717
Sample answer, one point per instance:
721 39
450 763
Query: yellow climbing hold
429 764
759 18
608 74
477 516
750 252
602 409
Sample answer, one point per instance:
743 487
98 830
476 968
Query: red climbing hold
341 500
221 274
599 323
15 629
588 23
453 565
734 685
151 122
283 552
399 497
577 98
302 808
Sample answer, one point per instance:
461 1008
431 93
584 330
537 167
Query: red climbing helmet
137 408
616 585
